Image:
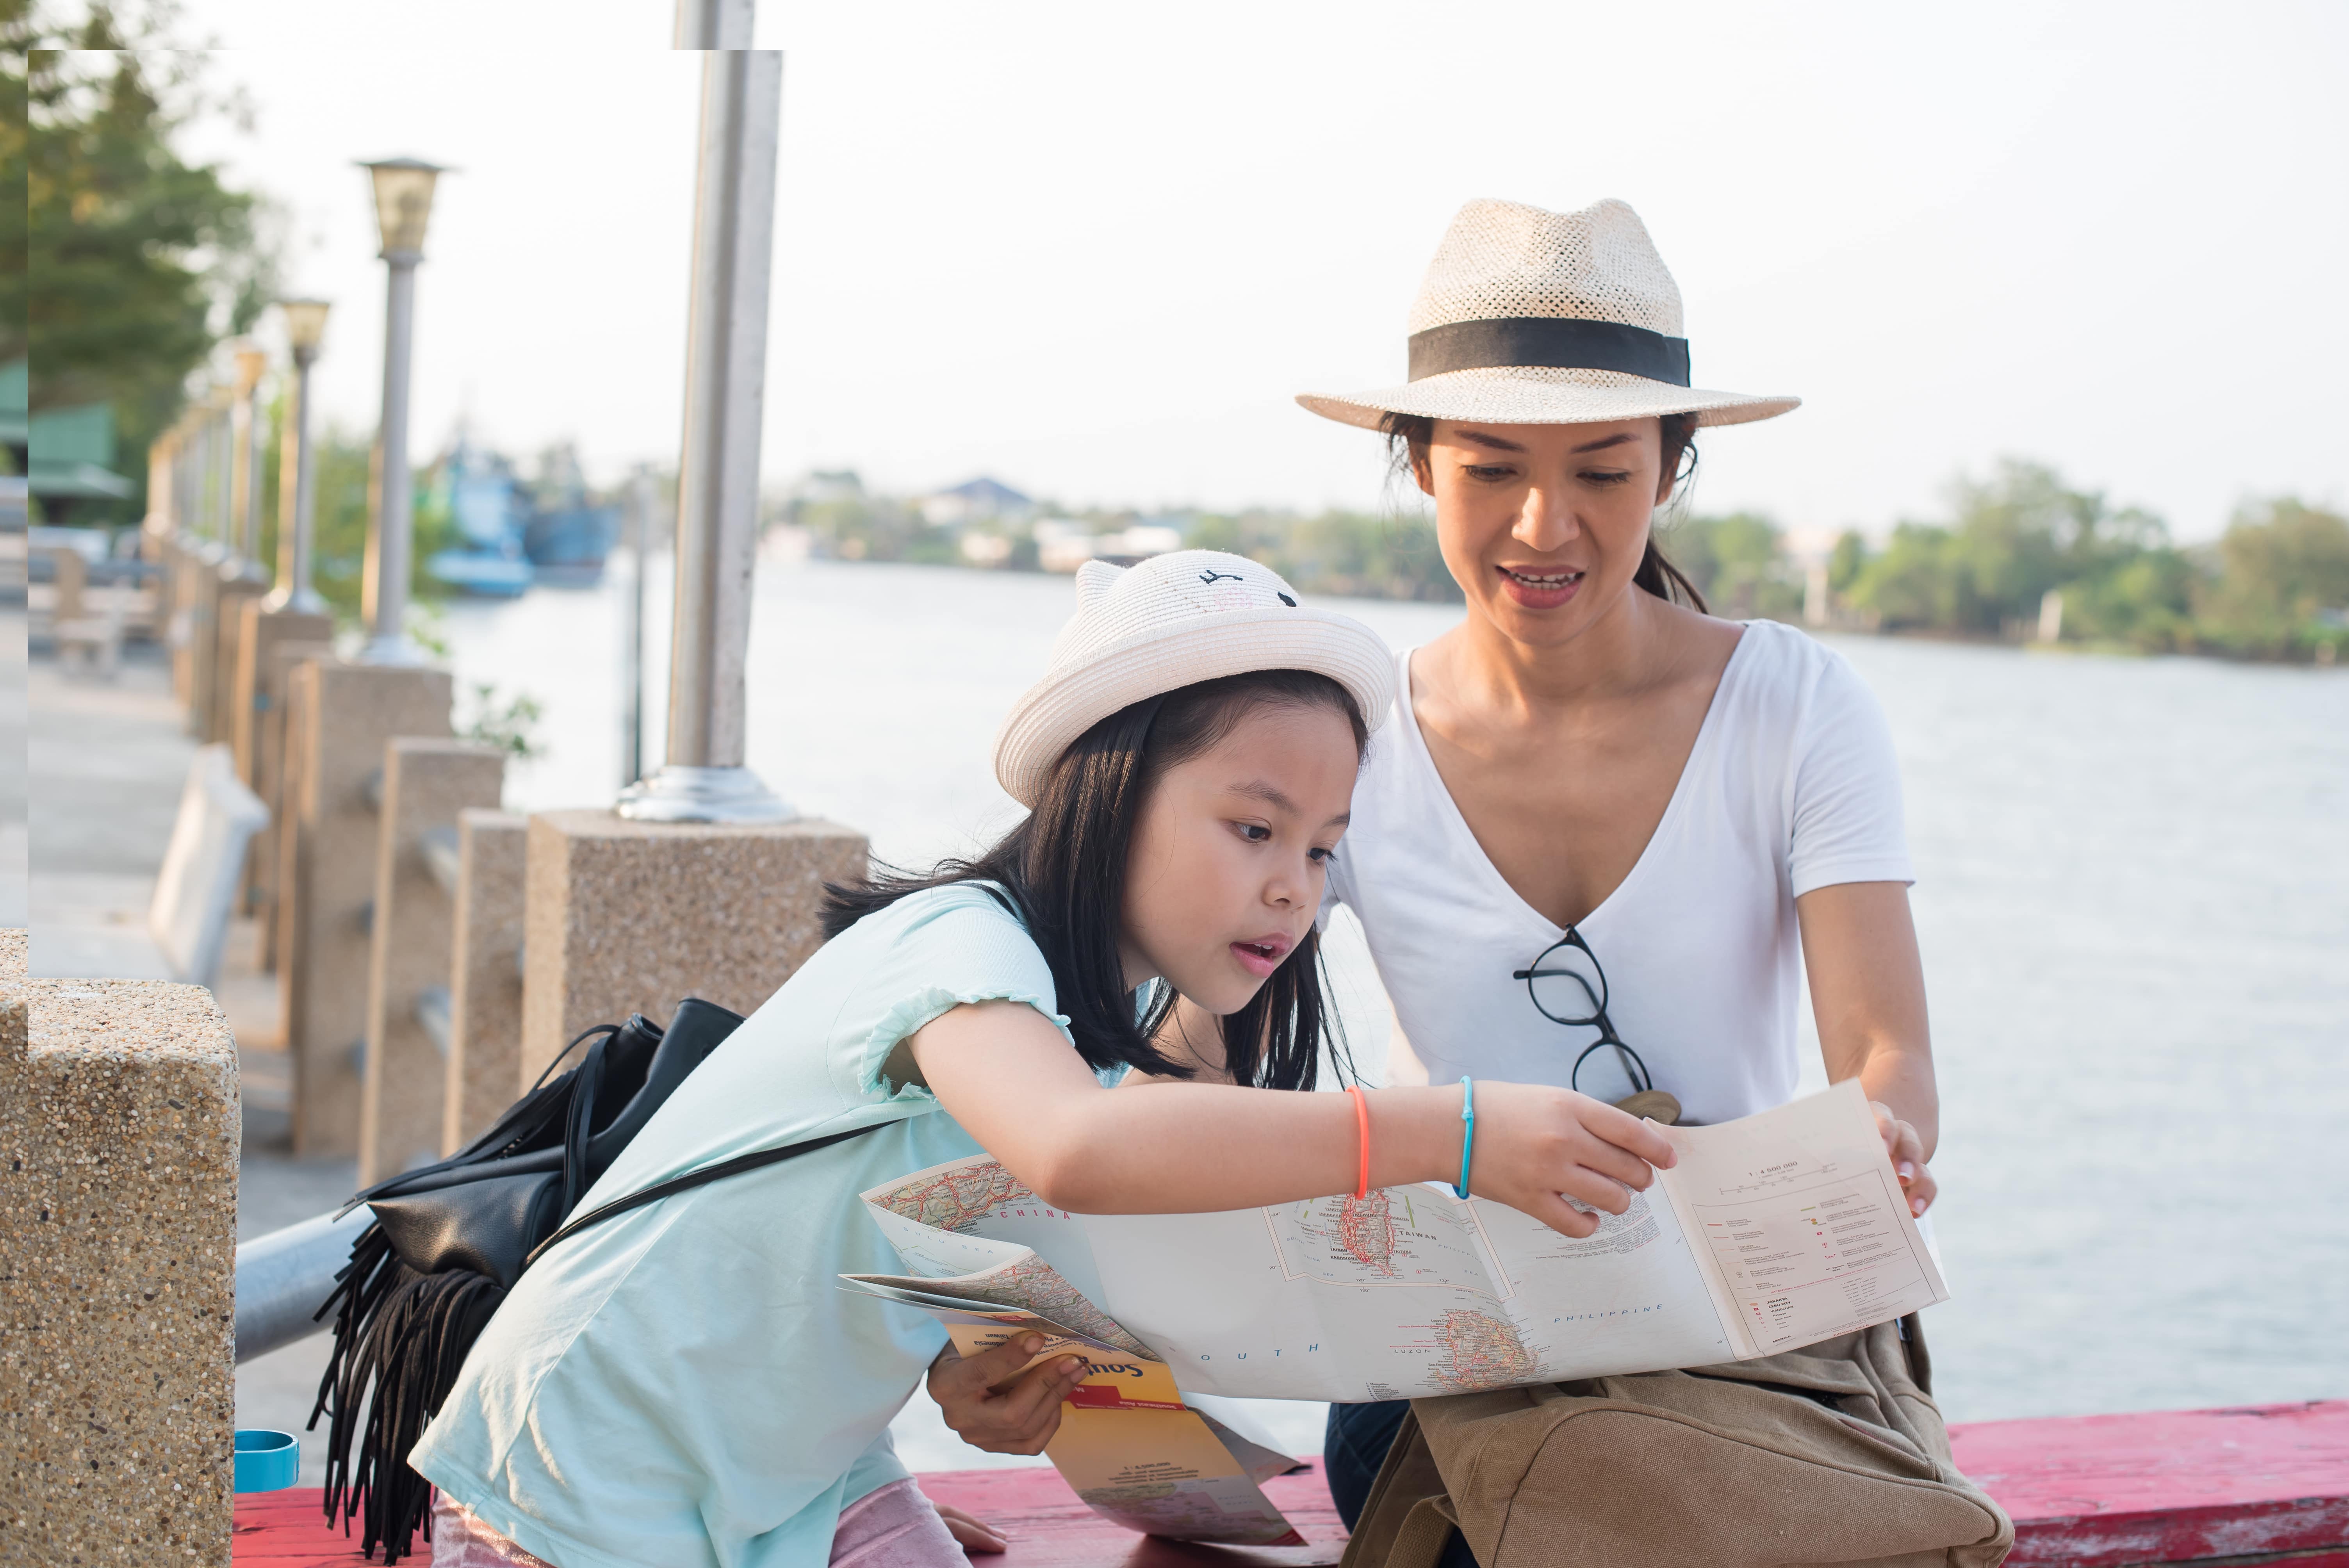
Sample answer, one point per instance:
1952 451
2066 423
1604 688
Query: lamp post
702 779
246 457
217 475
403 204
297 474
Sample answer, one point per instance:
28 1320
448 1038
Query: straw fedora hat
1532 317
1172 621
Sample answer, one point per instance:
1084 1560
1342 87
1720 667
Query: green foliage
1349 554
508 723
1844 563
878 528
126 263
2283 585
2276 586
339 543
1737 561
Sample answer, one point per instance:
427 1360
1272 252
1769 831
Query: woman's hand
1534 1142
1908 1152
969 1533
988 1410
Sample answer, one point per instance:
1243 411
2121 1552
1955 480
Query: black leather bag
449 1240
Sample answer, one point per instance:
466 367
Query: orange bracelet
1362 1126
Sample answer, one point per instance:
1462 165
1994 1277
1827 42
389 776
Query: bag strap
692 1178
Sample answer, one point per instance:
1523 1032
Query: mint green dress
684 1386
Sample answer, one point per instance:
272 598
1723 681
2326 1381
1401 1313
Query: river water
2133 897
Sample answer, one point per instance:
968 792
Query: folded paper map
1133 1447
1772 1232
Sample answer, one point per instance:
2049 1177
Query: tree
134 262
2282 581
1737 561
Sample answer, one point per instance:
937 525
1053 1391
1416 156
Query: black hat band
1551 341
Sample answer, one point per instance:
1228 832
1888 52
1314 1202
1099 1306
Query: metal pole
224 478
703 778
297 497
256 466
385 605
632 642
204 486
283 1278
715 24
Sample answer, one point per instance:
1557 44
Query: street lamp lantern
297 477
305 324
403 203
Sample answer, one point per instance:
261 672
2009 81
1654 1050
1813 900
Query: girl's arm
1009 1077
1868 990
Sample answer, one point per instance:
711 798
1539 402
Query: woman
1586 850
685 1384
1601 814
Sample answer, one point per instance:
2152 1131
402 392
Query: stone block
340 716
272 724
118 1137
259 633
486 977
633 917
229 602
426 783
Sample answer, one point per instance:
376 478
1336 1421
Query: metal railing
282 1279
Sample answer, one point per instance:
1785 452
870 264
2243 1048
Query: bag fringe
400 1338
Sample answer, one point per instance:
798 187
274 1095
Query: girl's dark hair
1063 873
1410 435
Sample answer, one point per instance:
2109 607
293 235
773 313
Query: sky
1094 251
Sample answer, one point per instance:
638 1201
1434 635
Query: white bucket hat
1531 317
1172 621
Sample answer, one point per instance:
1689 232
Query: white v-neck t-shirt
1792 785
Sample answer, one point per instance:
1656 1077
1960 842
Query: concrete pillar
426 783
486 977
260 631
229 600
626 916
271 764
118 1135
340 716
274 762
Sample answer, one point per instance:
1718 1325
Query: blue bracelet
1468 1133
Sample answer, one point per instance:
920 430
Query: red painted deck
2263 1484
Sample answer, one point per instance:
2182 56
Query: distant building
1063 544
971 501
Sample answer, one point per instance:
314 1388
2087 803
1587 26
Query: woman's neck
1625 649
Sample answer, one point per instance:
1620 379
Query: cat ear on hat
1095 579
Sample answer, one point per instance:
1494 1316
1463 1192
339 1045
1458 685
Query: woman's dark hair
1410 435
1062 872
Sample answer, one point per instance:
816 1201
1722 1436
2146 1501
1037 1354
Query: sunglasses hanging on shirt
1568 986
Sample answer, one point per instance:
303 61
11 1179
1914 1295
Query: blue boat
565 537
488 508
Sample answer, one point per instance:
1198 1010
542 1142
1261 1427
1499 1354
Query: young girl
685 1384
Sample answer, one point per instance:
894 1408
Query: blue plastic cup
266 1460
